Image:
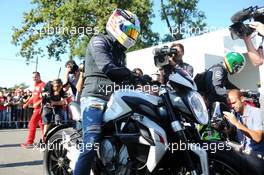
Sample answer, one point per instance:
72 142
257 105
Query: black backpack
200 80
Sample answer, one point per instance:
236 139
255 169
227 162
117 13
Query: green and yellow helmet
234 62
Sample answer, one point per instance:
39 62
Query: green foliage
68 25
16 86
183 17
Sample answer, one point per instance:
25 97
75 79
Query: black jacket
169 69
185 66
104 65
217 84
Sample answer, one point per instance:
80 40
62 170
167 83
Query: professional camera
161 55
238 29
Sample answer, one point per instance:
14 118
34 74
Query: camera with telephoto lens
238 29
161 55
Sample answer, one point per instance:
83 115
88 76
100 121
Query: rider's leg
92 113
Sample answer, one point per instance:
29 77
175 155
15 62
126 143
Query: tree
68 25
182 18
20 86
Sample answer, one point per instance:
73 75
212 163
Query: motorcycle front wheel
55 161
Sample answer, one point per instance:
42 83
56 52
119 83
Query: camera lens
161 59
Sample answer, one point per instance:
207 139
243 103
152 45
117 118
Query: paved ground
15 160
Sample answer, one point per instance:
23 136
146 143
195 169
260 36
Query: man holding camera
71 76
255 55
175 61
243 31
248 122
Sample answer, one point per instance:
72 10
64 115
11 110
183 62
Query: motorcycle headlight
198 107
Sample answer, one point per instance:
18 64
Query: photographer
177 61
255 55
248 122
173 56
71 76
53 100
243 31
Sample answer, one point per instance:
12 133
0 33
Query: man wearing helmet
216 78
104 66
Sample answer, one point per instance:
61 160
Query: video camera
161 55
238 29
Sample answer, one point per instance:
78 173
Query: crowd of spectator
12 114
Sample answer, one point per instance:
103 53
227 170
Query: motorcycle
141 131
149 134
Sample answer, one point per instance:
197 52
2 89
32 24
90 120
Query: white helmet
124 26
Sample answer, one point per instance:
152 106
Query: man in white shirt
248 122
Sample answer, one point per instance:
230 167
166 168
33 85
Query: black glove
145 80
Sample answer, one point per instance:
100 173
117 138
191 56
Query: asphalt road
15 160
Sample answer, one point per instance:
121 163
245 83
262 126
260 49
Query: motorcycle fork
177 128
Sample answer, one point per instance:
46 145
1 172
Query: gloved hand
145 80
